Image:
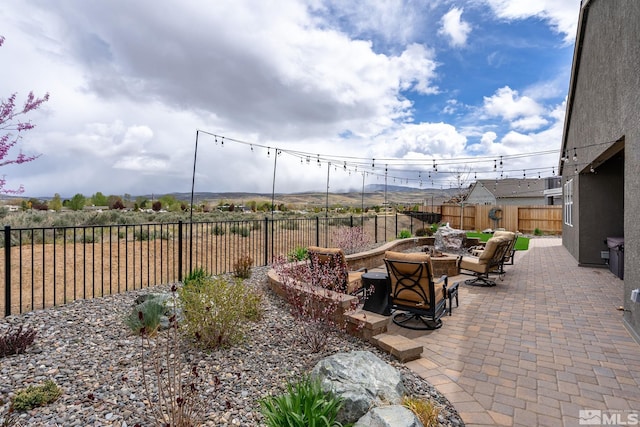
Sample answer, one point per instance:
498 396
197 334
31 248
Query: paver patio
542 345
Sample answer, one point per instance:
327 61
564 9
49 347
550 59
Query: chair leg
480 281
415 321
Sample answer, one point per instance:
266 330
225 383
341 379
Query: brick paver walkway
545 343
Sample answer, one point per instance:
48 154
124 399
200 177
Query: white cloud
529 123
507 103
454 28
561 14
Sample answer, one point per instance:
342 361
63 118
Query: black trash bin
616 255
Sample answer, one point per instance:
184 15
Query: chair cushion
490 249
473 264
411 257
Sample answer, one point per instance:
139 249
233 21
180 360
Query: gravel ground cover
88 351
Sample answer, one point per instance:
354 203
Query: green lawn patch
522 243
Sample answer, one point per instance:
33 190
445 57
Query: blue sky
410 83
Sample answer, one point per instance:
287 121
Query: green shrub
299 253
216 311
404 234
33 396
217 230
537 232
304 404
146 316
196 277
240 230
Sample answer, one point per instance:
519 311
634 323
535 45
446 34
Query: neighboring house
512 191
601 143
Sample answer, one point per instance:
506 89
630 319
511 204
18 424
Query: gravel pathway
89 352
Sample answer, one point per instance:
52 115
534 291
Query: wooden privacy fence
526 219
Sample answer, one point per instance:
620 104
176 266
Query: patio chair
418 299
488 261
510 251
333 263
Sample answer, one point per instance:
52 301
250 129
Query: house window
568 202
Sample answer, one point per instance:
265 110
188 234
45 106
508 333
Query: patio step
403 348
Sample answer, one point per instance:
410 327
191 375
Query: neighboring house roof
510 188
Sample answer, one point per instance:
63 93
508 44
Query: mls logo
590 417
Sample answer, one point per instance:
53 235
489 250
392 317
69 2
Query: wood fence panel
525 219
547 219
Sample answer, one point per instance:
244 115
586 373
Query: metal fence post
266 240
317 231
375 227
180 240
396 224
7 270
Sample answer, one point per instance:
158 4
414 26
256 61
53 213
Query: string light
575 155
268 152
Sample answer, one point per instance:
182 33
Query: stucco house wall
602 129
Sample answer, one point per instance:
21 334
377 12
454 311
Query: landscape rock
451 240
389 416
362 379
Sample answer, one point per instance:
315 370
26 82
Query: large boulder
451 240
389 416
362 379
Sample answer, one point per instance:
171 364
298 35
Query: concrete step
403 348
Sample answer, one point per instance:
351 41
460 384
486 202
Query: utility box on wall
616 255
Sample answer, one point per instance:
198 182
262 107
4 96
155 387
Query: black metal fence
51 266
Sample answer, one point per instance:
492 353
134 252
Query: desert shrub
216 311
16 340
404 234
146 316
290 224
196 277
256 225
425 231
141 234
241 230
217 230
34 396
426 411
350 239
304 404
242 267
299 253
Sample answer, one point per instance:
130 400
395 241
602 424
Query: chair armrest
362 270
444 279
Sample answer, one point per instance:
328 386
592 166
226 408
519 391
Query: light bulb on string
553 171
318 162
495 166
345 166
268 152
591 169
575 155
373 163
251 148
500 162
222 142
576 171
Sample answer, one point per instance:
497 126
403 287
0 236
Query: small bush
537 232
426 231
304 404
218 230
240 230
216 312
426 411
196 277
404 234
34 396
242 267
16 340
142 235
146 316
299 253
290 224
